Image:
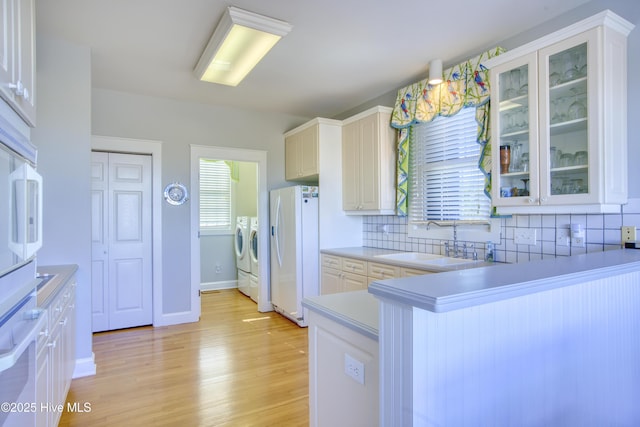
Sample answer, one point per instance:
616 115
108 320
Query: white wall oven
20 216
21 322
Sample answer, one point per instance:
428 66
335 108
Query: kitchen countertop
370 254
357 310
467 288
59 275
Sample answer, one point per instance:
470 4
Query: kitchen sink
419 258
414 257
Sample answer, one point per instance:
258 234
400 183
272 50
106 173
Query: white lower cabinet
337 398
42 379
56 356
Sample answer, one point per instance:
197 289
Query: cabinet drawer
330 281
331 261
409 272
351 265
382 271
354 282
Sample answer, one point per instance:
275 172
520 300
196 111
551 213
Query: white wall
63 138
178 124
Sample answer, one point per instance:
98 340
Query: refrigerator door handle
277 232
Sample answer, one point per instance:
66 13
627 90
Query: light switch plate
524 236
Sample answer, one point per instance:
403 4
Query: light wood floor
236 367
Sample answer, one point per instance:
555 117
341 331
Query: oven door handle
9 358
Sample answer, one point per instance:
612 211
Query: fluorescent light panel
238 43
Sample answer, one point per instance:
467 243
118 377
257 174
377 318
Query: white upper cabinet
559 121
17 57
368 163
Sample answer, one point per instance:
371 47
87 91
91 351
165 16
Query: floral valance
465 85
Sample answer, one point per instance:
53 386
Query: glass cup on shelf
582 62
524 82
559 110
507 121
509 86
516 152
571 70
580 158
522 122
576 110
524 162
566 160
554 75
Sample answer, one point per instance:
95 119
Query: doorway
121 238
254 157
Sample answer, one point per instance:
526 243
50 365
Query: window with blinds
445 181
215 196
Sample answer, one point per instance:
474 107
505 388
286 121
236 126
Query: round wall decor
176 194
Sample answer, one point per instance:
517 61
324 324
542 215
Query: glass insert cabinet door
568 76
514 120
541 131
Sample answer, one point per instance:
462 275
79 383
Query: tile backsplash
602 232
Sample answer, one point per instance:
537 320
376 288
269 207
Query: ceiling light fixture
238 43
435 72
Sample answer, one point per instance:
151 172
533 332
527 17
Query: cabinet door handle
543 199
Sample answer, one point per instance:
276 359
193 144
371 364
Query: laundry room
228 210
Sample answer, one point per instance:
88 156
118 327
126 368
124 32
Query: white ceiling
340 53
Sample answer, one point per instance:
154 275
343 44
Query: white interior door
121 241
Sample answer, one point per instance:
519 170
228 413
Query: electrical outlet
562 237
578 241
524 236
354 368
628 234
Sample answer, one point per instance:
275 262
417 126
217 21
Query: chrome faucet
455 240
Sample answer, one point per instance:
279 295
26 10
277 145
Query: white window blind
215 195
445 181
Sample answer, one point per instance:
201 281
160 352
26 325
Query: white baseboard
85 367
215 286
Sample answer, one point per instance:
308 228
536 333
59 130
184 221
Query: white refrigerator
293 216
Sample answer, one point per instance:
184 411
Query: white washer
241 244
253 245
253 254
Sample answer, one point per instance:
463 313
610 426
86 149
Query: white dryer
253 254
241 244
